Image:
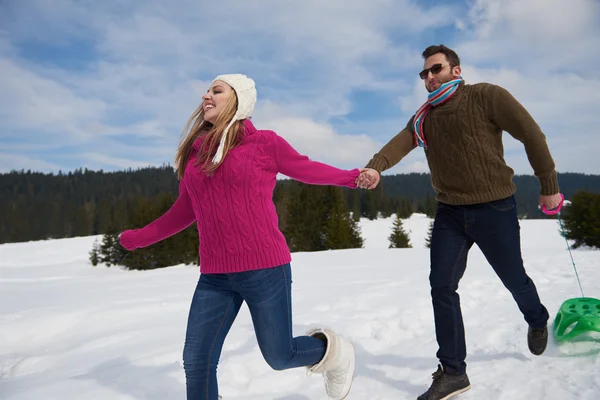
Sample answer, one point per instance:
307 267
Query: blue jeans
216 302
494 227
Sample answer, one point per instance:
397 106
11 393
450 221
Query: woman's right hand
128 239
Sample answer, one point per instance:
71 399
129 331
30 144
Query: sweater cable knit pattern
233 209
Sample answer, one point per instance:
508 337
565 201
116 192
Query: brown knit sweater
465 152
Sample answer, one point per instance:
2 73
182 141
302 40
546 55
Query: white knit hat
246 94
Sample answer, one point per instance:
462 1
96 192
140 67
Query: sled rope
570 254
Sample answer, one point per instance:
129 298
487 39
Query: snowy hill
72 331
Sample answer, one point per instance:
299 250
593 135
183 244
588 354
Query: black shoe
537 339
445 386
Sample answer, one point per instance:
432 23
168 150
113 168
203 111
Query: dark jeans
494 227
216 302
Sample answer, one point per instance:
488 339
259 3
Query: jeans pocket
505 204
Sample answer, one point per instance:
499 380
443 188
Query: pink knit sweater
233 209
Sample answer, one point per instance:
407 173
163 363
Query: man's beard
441 81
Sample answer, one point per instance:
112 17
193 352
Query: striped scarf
435 98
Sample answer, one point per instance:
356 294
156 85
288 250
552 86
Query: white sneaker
337 366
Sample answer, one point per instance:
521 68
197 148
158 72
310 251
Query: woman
227 170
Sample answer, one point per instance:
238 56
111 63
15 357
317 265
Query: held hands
368 178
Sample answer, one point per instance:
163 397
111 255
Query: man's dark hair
449 53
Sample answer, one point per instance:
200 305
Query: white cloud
552 98
541 52
33 102
534 20
98 161
152 62
564 105
535 35
414 162
321 142
155 62
10 162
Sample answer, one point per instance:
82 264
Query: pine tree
94 253
53 220
181 248
405 208
429 232
38 206
421 209
356 206
430 206
282 199
399 238
341 231
82 223
102 217
382 204
111 252
582 219
304 218
368 205
318 218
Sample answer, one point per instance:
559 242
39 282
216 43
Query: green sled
584 312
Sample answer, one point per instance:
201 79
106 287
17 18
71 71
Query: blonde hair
212 135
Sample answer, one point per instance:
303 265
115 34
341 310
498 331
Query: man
460 129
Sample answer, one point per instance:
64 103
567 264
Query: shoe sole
459 391
352 366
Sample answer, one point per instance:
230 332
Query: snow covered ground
72 331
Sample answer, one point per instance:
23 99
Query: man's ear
456 71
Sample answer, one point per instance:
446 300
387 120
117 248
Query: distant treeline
36 206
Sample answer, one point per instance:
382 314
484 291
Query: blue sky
103 85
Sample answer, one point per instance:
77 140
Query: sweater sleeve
510 116
301 168
177 218
394 151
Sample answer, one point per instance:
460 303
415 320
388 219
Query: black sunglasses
435 69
